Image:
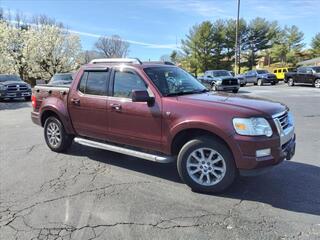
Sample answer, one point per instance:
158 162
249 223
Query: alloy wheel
206 166
53 134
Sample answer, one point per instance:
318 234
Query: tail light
34 101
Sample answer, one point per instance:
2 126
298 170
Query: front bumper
16 94
227 87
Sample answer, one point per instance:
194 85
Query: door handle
116 107
75 101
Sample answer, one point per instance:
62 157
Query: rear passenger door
87 104
300 75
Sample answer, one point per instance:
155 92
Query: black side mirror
141 96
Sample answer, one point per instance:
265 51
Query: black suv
11 86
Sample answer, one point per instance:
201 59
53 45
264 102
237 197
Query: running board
126 151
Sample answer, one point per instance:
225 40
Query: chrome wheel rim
206 166
53 134
317 83
290 82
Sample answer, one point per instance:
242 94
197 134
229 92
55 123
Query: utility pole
237 47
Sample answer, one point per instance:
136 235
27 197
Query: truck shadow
291 186
13 104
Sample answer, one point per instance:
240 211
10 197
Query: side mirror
141 96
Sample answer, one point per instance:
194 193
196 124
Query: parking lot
88 193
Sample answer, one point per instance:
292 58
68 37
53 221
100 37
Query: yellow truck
280 72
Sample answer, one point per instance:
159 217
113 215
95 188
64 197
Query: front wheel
55 135
260 82
206 165
317 83
235 90
291 82
214 87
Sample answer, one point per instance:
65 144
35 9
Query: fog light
263 152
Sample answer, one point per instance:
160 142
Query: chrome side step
126 151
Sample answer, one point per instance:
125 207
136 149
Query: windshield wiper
187 92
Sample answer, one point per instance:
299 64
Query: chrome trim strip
126 151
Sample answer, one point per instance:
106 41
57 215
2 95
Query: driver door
132 123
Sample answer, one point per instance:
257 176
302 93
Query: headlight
3 87
252 126
290 119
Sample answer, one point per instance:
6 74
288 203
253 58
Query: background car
61 79
12 86
220 80
260 77
280 72
304 75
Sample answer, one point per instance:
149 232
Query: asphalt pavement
88 193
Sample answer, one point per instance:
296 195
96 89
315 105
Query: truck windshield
316 69
221 74
4 78
174 81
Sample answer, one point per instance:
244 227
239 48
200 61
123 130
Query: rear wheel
55 135
214 87
206 165
260 82
317 83
290 82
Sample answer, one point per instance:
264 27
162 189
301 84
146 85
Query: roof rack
161 62
116 60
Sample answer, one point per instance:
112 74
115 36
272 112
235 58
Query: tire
255 84
226 173
60 140
214 88
273 83
260 82
317 83
27 98
235 90
290 82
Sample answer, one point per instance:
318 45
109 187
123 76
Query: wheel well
186 135
47 114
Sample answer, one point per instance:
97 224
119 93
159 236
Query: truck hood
251 104
14 83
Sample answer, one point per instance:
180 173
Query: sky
155 27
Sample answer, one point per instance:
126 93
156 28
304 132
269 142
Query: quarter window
94 83
125 82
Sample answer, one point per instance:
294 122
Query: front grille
228 82
283 120
16 87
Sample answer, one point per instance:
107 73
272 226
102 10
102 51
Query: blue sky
153 27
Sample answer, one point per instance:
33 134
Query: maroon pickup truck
161 113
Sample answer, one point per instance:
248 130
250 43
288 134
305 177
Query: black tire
27 98
260 82
235 90
216 145
214 87
242 85
290 82
273 83
255 84
65 139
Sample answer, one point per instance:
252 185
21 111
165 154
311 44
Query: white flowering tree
38 51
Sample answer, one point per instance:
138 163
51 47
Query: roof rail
116 60
161 62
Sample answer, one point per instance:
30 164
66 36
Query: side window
94 83
285 70
125 82
274 71
301 70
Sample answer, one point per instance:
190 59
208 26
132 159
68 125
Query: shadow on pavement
291 186
14 104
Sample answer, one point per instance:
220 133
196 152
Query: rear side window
94 83
125 82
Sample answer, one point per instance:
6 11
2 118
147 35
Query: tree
112 47
59 51
258 38
315 45
198 46
88 55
